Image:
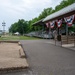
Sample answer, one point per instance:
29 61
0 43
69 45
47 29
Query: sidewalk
54 42
58 43
69 46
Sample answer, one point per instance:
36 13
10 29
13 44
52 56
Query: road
47 59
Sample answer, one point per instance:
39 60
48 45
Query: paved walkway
45 58
11 57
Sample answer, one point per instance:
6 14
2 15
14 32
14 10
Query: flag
59 23
69 20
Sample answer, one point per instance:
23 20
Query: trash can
59 37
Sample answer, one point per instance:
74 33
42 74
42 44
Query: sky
13 10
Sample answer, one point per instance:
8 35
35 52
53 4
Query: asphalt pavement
45 58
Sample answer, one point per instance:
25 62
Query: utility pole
3 24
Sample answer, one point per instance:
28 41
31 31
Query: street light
3 24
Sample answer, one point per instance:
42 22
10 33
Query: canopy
67 11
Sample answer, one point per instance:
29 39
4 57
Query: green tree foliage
13 28
45 13
63 4
23 26
31 28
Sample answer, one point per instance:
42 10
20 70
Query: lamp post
3 24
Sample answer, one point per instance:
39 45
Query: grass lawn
17 38
27 38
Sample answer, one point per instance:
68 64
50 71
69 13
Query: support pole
74 34
42 31
67 33
49 31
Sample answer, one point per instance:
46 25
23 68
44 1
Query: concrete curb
12 69
9 41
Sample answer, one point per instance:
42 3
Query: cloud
12 10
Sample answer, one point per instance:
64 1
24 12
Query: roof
16 33
69 10
40 22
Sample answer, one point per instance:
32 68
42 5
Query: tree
45 13
21 26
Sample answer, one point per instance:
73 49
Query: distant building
17 33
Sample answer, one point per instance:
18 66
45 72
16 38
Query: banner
69 20
59 23
47 25
52 23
